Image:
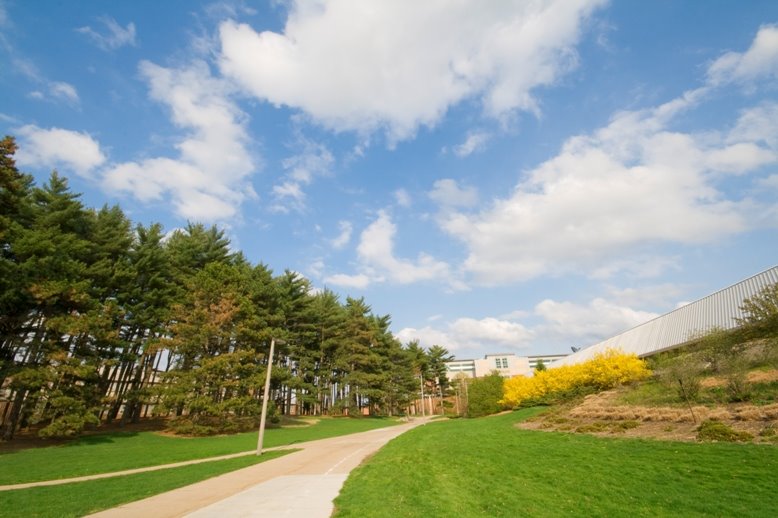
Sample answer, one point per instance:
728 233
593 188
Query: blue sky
498 176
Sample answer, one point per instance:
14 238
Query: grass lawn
82 498
119 451
488 467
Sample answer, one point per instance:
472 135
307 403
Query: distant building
507 364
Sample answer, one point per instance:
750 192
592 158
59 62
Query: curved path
299 485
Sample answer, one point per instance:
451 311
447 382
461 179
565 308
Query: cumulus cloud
632 183
56 147
555 324
208 180
358 281
760 61
378 262
758 124
470 333
448 194
376 251
402 198
113 36
585 324
396 66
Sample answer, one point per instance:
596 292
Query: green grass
655 393
487 467
120 451
650 393
80 498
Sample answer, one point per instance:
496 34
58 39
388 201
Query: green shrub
716 431
485 395
592 428
623 426
199 425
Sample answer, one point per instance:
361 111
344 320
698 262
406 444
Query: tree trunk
16 411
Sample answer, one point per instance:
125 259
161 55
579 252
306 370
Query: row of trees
101 319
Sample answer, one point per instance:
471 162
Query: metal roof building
720 309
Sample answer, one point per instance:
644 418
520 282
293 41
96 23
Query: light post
440 388
421 384
265 396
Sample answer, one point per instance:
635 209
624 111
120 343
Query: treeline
101 319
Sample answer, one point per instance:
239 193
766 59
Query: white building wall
720 309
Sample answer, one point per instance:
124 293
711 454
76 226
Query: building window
505 363
497 362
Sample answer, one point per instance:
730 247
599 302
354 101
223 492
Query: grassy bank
488 467
119 451
81 498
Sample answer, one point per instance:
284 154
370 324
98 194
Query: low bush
200 426
606 370
716 431
484 395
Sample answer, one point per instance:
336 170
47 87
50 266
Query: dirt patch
602 414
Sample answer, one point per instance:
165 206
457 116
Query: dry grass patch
603 414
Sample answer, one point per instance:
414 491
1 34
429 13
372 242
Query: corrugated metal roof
720 309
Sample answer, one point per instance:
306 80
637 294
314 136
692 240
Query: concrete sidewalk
301 484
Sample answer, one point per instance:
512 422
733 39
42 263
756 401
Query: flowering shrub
606 370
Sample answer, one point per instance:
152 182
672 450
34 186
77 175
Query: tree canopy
103 319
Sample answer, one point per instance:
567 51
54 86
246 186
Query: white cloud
56 147
311 161
491 330
758 124
771 182
209 179
556 324
57 90
662 295
316 268
64 91
475 141
402 198
378 263
637 266
471 334
739 158
395 66
376 251
760 61
427 337
345 235
630 184
448 194
580 325
358 281
114 37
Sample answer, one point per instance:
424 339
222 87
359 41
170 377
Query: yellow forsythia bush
606 370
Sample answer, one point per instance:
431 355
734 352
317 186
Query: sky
498 177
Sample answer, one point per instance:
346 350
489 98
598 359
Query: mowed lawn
488 467
82 498
119 451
